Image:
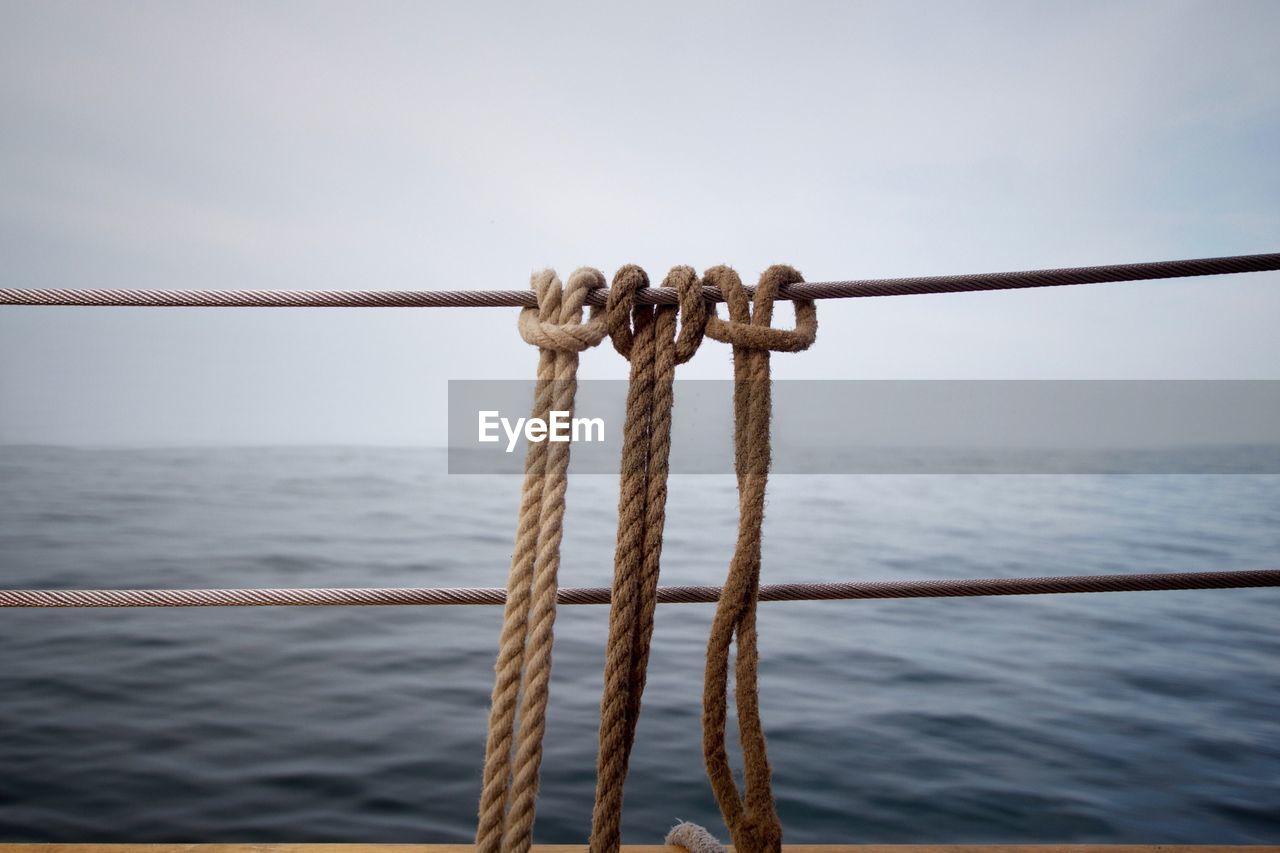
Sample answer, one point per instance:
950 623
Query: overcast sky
422 145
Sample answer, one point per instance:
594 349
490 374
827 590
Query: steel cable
365 596
650 295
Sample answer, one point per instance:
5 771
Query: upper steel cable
649 295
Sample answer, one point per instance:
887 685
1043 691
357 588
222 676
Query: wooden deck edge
638 848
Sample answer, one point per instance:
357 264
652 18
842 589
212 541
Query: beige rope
647 336
752 817
508 796
694 838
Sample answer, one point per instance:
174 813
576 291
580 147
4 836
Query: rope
694 838
752 817
463 596
646 335
508 796
172 298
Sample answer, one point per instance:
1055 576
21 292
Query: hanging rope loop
751 815
622 311
749 321
694 311
626 315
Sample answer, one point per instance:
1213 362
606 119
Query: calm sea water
1119 718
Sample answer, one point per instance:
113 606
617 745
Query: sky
428 145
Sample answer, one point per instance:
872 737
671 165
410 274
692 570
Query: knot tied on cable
748 326
647 336
556 323
625 316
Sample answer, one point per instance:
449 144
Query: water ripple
1122 718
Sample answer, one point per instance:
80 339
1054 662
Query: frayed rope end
694 838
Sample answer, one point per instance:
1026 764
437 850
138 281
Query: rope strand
646 335
752 816
508 796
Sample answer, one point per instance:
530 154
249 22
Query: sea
1116 718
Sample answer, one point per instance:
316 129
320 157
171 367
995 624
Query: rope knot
556 324
748 324
624 313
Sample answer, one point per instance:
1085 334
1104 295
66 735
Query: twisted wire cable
848 590
173 298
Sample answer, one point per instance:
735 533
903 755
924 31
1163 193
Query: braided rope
635 332
464 596
645 335
522 673
752 816
163 297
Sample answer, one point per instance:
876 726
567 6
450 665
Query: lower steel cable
364 596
